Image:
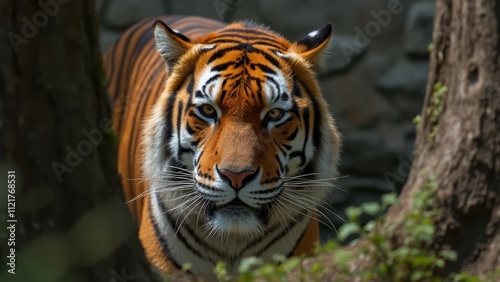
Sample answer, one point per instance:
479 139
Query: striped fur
227 128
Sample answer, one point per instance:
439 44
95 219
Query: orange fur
142 89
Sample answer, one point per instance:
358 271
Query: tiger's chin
235 219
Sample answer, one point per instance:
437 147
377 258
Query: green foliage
436 107
417 119
413 258
255 269
220 271
464 277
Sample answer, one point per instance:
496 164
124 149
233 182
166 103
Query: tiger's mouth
236 216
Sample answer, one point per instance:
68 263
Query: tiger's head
241 138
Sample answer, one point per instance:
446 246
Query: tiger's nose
236 179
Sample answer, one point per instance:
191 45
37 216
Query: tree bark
460 146
72 223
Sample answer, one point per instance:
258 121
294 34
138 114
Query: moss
435 108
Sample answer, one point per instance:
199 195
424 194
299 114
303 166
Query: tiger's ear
170 43
312 46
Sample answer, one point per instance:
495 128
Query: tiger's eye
275 114
207 110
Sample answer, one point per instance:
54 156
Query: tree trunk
458 140
69 221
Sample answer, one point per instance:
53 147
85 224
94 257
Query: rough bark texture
72 222
464 153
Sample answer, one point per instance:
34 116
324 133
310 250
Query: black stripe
124 72
296 90
190 85
180 106
189 129
204 245
293 135
267 34
284 97
305 115
197 160
300 154
272 45
298 218
222 67
204 88
259 239
224 91
162 241
178 233
279 147
276 84
168 118
279 162
298 241
221 52
199 94
138 112
268 57
266 69
316 120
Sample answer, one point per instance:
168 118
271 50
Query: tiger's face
240 129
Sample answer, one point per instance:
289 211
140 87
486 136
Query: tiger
226 145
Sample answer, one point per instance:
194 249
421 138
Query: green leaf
389 199
248 263
342 258
449 255
220 271
187 266
291 264
417 119
372 208
369 226
279 258
353 213
348 229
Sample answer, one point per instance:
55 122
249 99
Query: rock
120 14
348 185
294 18
407 76
375 184
366 153
404 84
343 53
418 28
